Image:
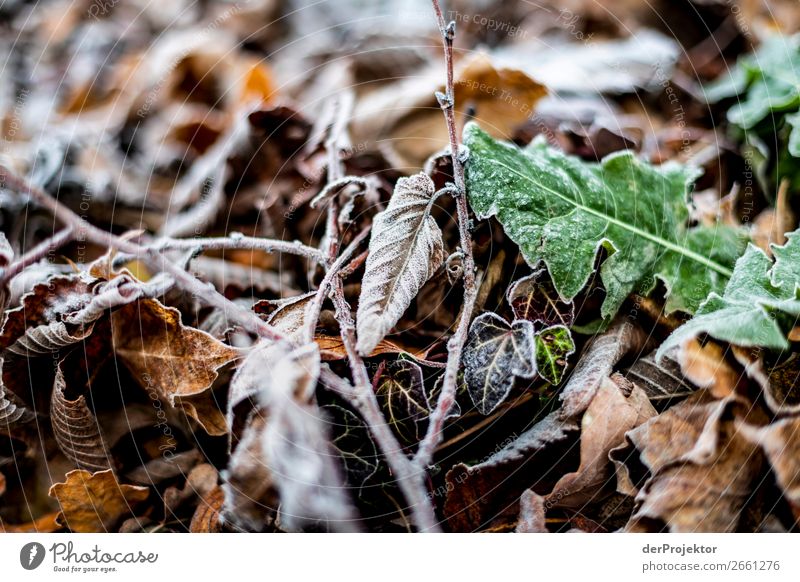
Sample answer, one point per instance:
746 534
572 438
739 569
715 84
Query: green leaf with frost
759 306
554 345
560 210
768 81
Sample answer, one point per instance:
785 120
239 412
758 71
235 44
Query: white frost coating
405 249
297 453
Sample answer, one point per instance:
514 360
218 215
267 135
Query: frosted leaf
287 452
494 355
405 249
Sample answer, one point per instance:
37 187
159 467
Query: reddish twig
409 477
205 293
43 248
455 346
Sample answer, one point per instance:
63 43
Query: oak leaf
95 502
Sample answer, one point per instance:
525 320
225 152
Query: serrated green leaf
769 79
794 135
561 210
759 305
554 345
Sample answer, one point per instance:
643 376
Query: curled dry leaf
12 409
405 249
618 407
207 517
522 462
285 458
531 513
706 366
701 468
251 501
95 502
405 118
598 360
178 363
496 353
780 442
76 429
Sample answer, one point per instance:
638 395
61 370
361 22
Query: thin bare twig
205 293
43 248
240 242
315 306
409 478
455 346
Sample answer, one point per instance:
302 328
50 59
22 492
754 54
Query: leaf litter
552 286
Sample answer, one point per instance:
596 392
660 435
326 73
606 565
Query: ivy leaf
535 298
554 345
405 249
401 395
352 440
759 305
561 210
496 353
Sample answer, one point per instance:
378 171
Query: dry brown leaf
531 513
706 366
781 443
702 470
618 407
76 429
772 224
405 119
95 502
48 523
207 517
332 348
179 363
597 362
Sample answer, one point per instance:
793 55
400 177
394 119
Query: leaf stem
455 346
84 230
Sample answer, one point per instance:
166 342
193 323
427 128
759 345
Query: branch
408 476
32 256
409 479
314 308
455 346
240 242
205 293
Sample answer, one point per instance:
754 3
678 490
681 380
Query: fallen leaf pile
327 266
